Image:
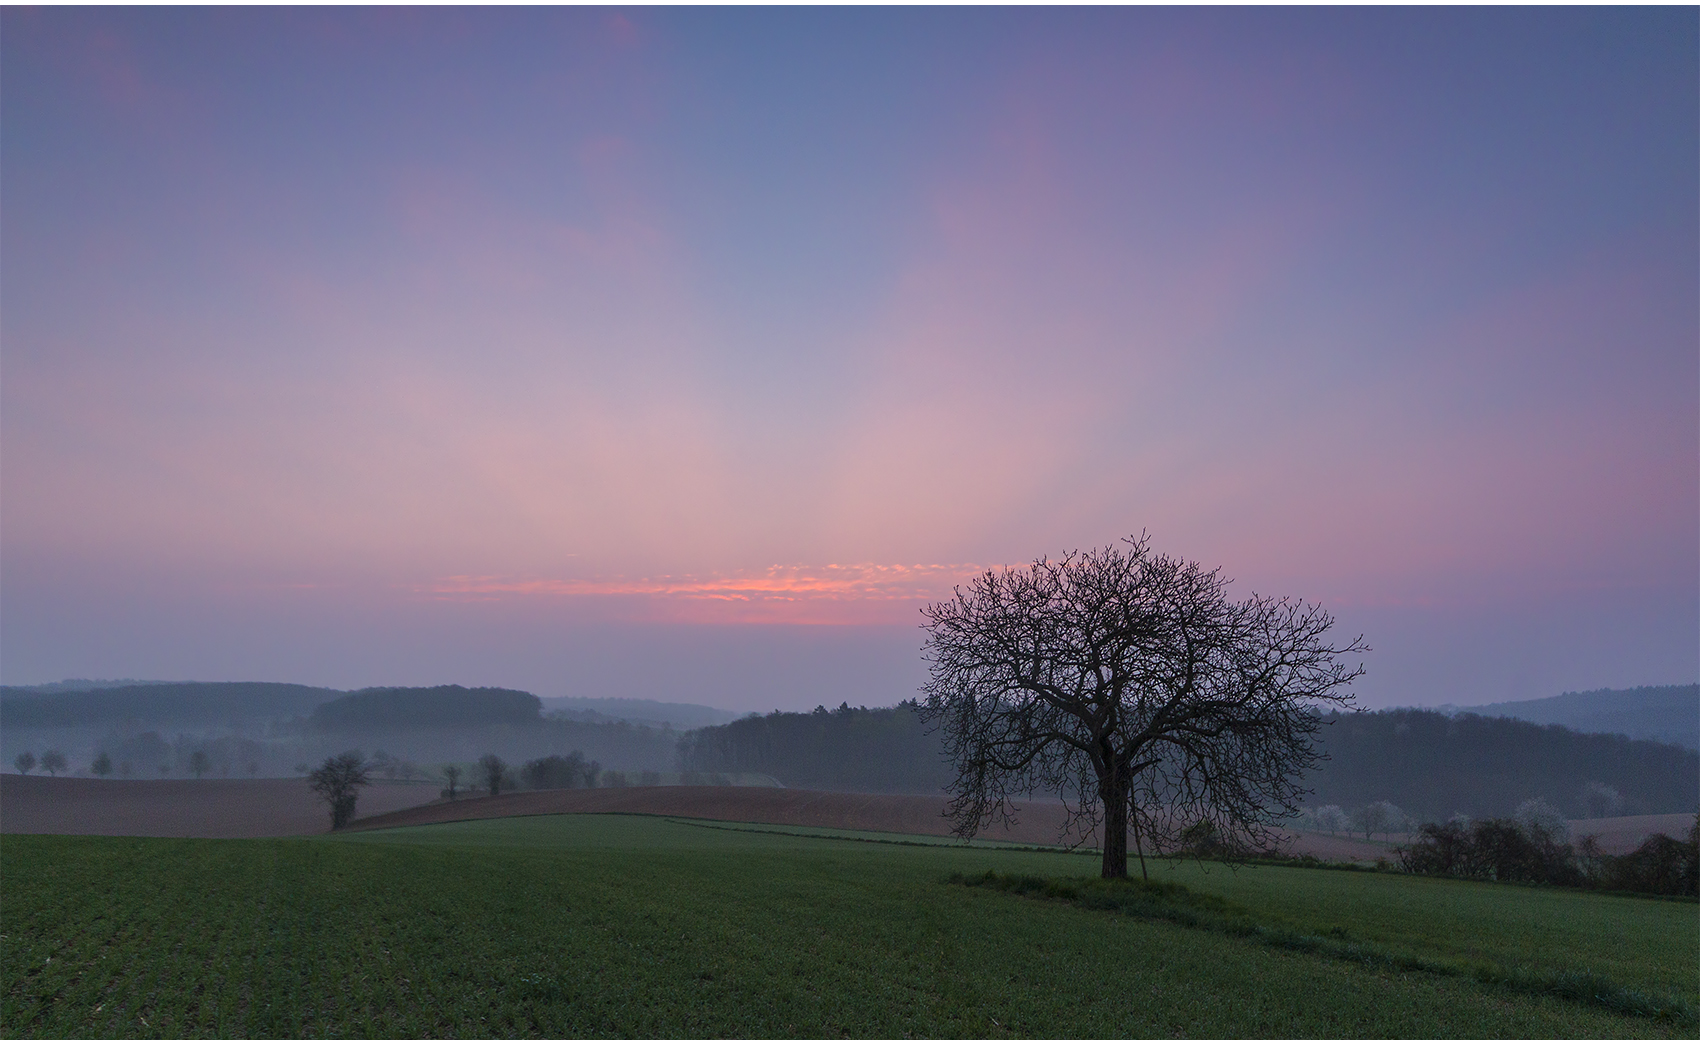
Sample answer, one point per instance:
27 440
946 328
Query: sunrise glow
517 347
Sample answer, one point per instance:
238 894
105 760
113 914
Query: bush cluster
1507 850
557 772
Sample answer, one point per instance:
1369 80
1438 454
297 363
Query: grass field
644 927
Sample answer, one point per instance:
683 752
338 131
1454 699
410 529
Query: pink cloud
854 593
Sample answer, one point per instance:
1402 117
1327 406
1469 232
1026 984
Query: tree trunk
1114 794
1138 846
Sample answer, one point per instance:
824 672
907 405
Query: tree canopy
1131 685
338 781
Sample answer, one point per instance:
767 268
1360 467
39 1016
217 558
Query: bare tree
199 763
338 781
1541 814
102 764
1600 800
25 762
53 761
1130 684
1379 818
451 773
1330 818
494 769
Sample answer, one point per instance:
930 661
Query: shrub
1497 850
338 781
1504 850
1662 865
555 771
494 772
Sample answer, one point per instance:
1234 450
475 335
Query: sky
687 354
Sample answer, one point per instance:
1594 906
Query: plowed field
38 805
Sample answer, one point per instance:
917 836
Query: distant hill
420 707
637 712
1668 714
158 704
1429 764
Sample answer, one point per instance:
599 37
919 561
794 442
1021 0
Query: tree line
147 753
1526 849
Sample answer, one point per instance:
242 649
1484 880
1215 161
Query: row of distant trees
1383 818
1386 819
339 778
53 762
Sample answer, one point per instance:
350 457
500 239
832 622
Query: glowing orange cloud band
858 581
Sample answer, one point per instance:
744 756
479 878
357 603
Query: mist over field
1431 765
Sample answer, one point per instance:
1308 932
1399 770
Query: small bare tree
102 764
54 762
451 773
1132 685
494 770
338 781
1331 818
199 763
1600 800
1543 815
25 762
1379 818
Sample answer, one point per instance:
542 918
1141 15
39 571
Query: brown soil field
272 808
181 808
1621 834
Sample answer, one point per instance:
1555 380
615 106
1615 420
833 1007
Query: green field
643 927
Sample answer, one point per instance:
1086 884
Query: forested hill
159 704
1425 762
435 707
1433 766
1670 714
882 750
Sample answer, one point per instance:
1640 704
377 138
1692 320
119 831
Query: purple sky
684 354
